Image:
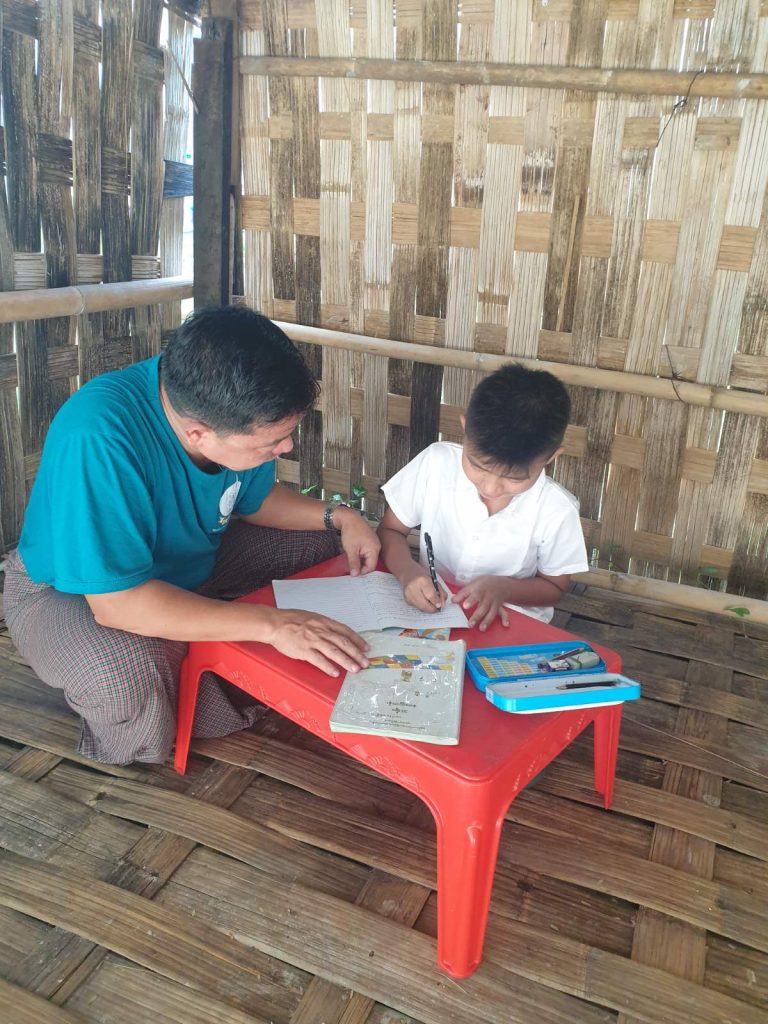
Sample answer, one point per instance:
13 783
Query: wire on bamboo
584 376
44 303
638 81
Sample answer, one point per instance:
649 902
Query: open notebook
363 603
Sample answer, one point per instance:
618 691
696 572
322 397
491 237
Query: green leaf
308 490
741 612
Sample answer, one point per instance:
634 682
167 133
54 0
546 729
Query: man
127 551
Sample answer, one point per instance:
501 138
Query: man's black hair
232 369
517 415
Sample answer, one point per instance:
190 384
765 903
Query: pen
431 562
544 665
570 654
584 686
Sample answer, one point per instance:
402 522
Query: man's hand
486 595
320 641
359 541
419 590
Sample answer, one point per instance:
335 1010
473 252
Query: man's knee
122 690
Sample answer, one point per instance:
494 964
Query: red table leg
468 834
607 729
189 683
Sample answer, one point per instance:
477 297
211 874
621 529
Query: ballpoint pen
584 686
560 657
431 563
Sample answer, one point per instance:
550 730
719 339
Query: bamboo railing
618 81
44 303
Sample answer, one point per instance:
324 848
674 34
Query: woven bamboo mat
280 881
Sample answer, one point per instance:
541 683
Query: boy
501 529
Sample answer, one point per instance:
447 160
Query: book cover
412 690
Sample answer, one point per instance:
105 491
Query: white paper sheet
367 602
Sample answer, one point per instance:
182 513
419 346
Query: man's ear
554 455
195 432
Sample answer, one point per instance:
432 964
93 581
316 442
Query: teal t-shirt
117 501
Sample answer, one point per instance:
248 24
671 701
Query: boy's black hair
516 415
232 368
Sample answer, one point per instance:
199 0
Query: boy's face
497 485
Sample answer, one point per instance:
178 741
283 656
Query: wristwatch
330 508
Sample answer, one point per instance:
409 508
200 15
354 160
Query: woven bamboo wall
86 193
584 228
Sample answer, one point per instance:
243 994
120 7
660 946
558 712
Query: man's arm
159 609
289 510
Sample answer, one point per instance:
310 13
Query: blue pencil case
528 662
562 692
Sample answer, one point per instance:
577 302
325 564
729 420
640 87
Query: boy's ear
554 455
463 421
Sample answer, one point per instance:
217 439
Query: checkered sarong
124 686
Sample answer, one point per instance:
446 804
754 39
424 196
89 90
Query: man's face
239 452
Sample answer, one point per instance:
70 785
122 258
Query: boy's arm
484 598
396 554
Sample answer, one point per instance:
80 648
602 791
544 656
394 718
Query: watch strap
330 508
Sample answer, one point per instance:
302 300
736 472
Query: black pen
431 564
584 686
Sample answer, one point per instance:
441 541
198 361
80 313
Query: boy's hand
485 596
419 590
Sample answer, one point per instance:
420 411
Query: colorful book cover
412 690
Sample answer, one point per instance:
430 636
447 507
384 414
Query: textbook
411 690
363 603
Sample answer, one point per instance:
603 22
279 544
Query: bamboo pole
638 81
584 376
678 594
44 303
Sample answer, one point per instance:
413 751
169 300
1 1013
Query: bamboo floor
281 882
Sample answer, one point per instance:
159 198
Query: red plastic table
468 787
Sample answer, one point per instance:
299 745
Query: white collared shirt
538 531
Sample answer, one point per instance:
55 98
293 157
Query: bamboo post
631 81
212 88
704 395
44 303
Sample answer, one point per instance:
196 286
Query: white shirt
538 531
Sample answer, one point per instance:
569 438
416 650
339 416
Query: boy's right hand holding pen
423 590
420 592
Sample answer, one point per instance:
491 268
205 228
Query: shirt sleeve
406 490
562 549
103 522
256 487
